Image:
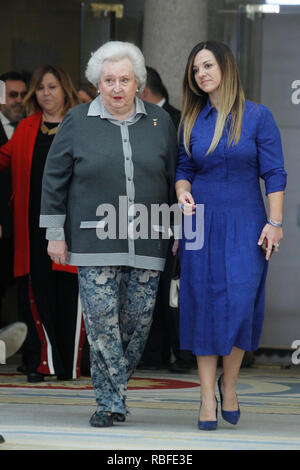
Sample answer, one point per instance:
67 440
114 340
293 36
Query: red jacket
17 153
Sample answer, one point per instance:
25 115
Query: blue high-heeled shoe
231 417
209 425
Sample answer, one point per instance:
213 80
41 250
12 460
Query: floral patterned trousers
118 303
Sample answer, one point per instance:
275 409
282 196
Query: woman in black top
48 293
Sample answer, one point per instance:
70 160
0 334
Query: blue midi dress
222 284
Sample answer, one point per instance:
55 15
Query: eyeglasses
15 94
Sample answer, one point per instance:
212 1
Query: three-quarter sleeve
57 174
270 156
185 165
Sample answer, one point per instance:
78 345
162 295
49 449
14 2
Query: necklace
46 130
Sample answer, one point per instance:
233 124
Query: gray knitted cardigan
93 161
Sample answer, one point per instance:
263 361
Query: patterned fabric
118 303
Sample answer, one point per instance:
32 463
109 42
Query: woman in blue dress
226 145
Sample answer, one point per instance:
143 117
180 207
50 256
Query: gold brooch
155 122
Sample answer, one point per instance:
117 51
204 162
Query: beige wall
171 29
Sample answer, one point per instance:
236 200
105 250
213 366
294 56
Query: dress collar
97 108
207 109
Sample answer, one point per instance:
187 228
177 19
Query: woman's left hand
57 250
273 235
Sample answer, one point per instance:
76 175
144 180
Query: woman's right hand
186 203
57 250
175 247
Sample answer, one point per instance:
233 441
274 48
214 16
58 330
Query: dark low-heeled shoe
35 377
101 419
119 417
64 377
209 425
231 417
22 369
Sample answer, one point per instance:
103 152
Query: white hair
113 51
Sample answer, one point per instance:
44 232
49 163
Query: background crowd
47 294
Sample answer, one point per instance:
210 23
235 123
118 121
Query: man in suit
163 341
155 92
11 112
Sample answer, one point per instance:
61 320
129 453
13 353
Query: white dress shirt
8 128
161 102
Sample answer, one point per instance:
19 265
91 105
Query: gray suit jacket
92 162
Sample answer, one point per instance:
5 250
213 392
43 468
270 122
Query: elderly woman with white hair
110 157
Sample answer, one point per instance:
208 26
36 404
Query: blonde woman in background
48 294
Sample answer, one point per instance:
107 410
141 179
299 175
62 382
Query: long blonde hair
231 96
